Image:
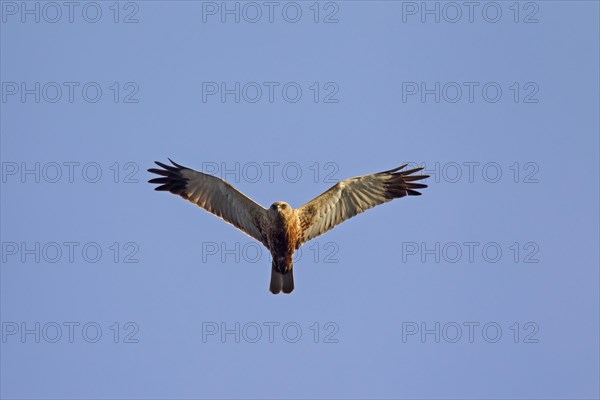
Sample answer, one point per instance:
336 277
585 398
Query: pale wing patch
354 196
214 195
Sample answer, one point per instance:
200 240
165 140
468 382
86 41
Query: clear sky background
370 307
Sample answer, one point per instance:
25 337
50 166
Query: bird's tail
282 282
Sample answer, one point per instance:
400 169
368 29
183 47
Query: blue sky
484 287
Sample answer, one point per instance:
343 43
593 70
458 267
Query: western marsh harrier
281 228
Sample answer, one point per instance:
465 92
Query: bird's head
281 207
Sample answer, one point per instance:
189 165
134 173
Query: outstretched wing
214 195
354 196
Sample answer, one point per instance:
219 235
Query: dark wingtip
398 170
416 185
404 183
175 164
411 171
164 166
391 171
159 180
170 178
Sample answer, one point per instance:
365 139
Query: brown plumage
281 228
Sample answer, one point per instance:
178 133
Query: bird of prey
281 228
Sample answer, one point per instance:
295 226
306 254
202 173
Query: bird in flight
281 228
